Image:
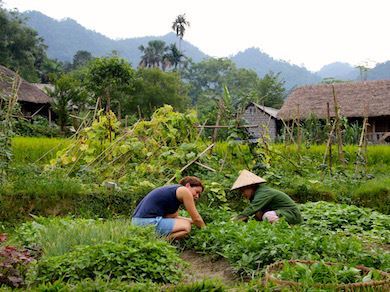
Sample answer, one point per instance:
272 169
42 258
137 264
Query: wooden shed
31 99
356 100
265 118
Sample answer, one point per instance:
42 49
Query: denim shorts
164 226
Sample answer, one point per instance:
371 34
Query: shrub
13 264
38 126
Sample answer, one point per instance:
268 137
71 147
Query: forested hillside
339 70
260 62
64 38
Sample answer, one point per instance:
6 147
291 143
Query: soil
204 267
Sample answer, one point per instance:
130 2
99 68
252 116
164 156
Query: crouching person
266 203
161 207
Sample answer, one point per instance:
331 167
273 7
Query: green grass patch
374 194
58 236
36 149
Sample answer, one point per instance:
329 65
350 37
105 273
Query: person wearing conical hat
266 203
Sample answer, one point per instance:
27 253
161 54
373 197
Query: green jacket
268 199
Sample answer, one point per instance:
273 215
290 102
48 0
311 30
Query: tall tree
173 57
110 78
270 90
179 26
67 92
153 54
153 88
81 58
21 49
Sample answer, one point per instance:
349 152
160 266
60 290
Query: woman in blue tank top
161 208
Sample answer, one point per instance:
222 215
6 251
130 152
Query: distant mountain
64 38
262 63
339 70
380 72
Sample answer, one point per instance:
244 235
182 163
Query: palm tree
179 26
153 54
173 58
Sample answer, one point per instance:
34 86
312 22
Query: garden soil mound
203 267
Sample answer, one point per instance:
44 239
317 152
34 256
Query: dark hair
193 181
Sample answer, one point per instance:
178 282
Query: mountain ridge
65 37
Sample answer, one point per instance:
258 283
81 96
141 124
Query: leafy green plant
98 284
200 286
249 247
38 127
334 218
134 259
323 273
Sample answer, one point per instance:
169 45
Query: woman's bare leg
181 229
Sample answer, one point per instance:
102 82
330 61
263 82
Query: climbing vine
152 149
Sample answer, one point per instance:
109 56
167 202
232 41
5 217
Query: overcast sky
310 33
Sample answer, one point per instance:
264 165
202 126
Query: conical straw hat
246 178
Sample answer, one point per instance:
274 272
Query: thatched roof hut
355 99
26 93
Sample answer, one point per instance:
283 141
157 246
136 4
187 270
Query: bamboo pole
191 162
338 128
360 157
224 127
329 146
215 132
205 166
299 134
288 131
200 131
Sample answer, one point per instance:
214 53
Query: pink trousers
270 216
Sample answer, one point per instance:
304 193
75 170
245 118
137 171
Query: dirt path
202 267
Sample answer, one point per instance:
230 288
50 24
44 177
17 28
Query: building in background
266 120
356 100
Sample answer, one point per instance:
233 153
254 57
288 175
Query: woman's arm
176 216
184 195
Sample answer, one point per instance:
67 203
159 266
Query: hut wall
377 128
255 116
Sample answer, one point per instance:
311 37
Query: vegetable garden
66 206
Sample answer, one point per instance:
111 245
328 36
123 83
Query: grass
36 149
58 236
376 154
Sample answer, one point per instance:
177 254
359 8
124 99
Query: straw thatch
27 92
355 99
